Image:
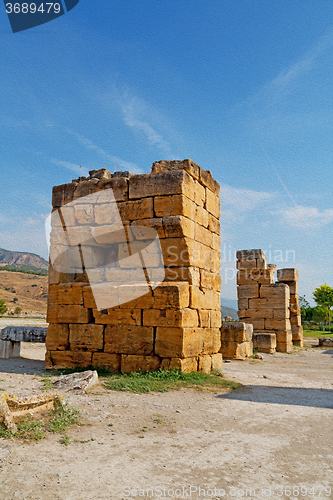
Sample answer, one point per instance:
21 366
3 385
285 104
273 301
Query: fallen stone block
323 342
11 406
81 381
264 341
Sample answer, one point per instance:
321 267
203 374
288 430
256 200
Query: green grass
32 428
317 334
46 382
166 380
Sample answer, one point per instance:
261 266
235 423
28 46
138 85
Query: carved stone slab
23 334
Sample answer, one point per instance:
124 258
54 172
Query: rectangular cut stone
213 224
236 331
276 291
204 299
248 291
84 214
87 337
161 183
248 276
119 186
70 293
185 365
135 296
200 194
206 179
62 194
88 297
170 317
106 360
284 347
188 165
172 295
132 363
264 341
211 340
178 342
189 274
215 319
72 314
288 274
204 236
235 350
258 324
174 205
57 337
177 226
123 339
205 363
213 204
116 316
204 318
139 228
243 304
135 210
56 360
216 362
9 349
251 254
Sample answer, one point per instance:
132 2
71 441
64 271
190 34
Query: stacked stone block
261 302
173 325
236 340
289 276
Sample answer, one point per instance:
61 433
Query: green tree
17 310
323 296
3 307
306 309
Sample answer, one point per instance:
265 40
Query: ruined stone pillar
134 278
289 276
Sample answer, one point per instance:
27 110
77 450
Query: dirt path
275 432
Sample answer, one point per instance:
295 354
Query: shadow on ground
22 365
299 396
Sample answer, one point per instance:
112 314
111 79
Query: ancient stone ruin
134 278
272 308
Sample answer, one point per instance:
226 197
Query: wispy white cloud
134 112
243 200
301 217
88 144
286 80
70 166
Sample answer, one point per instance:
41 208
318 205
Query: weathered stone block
171 295
118 316
106 360
278 291
174 205
178 342
136 209
161 183
248 291
70 293
288 274
205 363
213 204
56 360
186 365
57 337
132 363
71 314
264 341
87 337
216 362
183 318
123 339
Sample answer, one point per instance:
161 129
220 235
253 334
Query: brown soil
29 289
275 431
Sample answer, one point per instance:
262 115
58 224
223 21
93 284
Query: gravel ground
272 438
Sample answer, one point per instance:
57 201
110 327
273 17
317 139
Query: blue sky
242 87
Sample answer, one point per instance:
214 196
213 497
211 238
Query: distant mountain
229 311
229 303
22 261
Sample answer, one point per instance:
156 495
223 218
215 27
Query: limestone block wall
99 311
267 305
